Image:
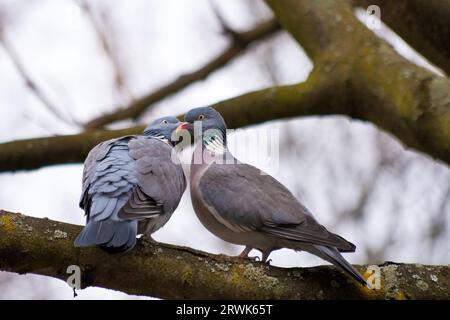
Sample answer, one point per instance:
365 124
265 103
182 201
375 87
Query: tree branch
356 74
423 24
373 82
324 93
107 47
240 42
38 152
280 102
30 83
45 247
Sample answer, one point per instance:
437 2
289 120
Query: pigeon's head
163 128
209 118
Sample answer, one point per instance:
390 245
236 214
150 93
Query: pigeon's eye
201 117
165 121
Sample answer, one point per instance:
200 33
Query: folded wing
246 199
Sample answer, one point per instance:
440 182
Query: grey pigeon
130 186
241 205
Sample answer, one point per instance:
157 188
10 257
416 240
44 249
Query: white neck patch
215 144
160 137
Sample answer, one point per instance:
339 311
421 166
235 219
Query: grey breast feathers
251 201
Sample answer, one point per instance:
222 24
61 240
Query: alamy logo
261 147
373 17
74 280
374 279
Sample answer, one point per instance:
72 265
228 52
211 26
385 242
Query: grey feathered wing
120 192
247 200
108 180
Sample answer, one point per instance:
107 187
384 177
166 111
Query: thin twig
226 29
108 49
30 82
139 106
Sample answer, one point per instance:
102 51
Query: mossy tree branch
373 82
423 24
45 247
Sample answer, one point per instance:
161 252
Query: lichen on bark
45 247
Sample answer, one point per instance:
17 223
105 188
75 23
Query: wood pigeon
242 205
131 185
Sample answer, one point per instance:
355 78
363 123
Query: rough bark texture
239 43
45 247
423 24
372 82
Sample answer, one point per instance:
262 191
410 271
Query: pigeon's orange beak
183 125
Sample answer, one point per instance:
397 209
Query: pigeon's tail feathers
333 256
111 236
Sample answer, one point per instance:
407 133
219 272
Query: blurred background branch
99 24
240 41
338 77
29 82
